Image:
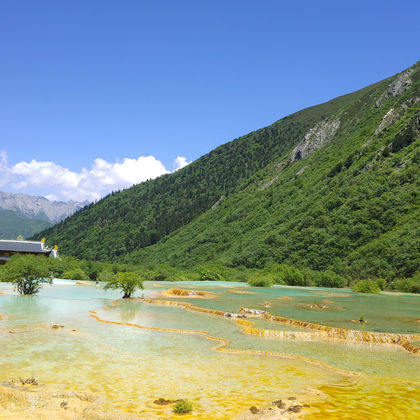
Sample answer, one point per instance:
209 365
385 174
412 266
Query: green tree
27 272
366 286
127 282
75 274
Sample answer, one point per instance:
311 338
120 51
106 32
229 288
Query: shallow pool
133 359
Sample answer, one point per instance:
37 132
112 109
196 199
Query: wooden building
11 247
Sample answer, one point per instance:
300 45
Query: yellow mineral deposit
241 292
221 376
379 398
319 332
315 306
326 401
223 343
200 294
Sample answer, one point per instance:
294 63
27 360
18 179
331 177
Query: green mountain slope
12 225
334 186
352 206
143 214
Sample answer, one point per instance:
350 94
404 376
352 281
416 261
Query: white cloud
180 162
88 184
52 197
3 157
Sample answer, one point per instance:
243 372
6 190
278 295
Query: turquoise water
384 312
121 361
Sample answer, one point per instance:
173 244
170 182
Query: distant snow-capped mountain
35 207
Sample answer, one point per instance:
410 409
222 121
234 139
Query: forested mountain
25 215
335 186
39 208
13 225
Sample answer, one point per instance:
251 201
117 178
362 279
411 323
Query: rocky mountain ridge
35 207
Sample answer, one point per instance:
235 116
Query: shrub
312 277
161 272
366 286
105 275
210 273
407 285
241 274
183 407
152 275
91 269
75 274
286 274
381 283
291 276
260 282
403 139
58 266
330 279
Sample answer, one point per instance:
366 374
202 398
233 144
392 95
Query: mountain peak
36 207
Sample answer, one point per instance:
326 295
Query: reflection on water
21 306
127 311
133 367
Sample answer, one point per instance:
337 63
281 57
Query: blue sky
119 80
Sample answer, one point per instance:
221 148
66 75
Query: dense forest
334 187
13 225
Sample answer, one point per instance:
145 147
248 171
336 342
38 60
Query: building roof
23 246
